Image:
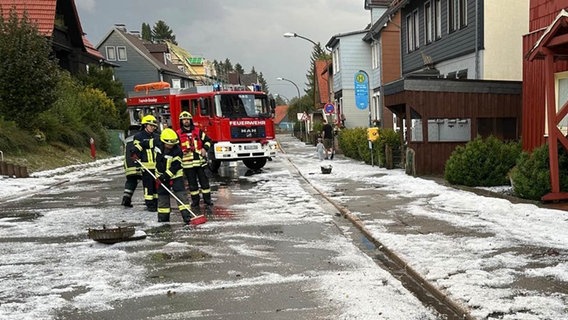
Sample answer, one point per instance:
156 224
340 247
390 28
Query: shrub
14 139
386 137
482 162
531 175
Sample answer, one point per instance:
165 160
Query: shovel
196 219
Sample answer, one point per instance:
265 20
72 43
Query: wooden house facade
545 84
59 21
460 77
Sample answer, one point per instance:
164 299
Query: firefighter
133 174
194 145
143 151
169 172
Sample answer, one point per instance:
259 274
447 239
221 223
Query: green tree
102 79
162 32
29 74
239 69
317 54
146 32
263 83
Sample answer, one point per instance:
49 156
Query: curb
401 263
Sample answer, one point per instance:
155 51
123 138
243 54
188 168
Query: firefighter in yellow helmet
194 145
169 172
143 151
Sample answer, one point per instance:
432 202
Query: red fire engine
240 123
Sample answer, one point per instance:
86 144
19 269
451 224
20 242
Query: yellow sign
373 134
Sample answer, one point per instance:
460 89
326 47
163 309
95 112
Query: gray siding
355 55
137 69
450 45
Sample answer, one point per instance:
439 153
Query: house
461 64
545 83
384 39
199 68
350 54
322 99
58 20
139 61
247 80
281 118
354 54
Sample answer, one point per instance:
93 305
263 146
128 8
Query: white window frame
375 52
121 53
457 15
412 32
336 63
110 53
428 23
437 15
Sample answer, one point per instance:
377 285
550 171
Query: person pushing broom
169 177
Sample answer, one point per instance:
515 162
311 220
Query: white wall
506 21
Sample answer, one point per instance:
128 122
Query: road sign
329 108
361 90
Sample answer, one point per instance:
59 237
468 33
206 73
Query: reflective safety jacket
144 144
130 167
191 142
168 162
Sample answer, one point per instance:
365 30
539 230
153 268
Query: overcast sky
247 32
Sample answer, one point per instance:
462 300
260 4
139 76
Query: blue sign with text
361 90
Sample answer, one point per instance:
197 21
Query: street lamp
298 90
292 82
295 35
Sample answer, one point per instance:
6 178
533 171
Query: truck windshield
242 105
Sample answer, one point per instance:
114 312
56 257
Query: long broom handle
167 189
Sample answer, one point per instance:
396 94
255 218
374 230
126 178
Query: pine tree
162 32
146 32
239 69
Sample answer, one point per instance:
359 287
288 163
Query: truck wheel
255 164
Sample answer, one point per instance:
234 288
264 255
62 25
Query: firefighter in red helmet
194 144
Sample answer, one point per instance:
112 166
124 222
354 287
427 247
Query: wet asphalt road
235 267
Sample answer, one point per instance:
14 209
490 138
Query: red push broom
195 219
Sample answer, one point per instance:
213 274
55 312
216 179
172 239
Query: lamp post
295 35
298 90
292 82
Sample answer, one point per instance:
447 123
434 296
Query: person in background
132 172
320 149
327 135
143 151
194 145
169 173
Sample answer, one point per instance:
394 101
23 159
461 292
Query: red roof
91 49
280 113
40 12
322 76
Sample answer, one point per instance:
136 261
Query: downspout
476 40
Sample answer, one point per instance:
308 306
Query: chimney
120 26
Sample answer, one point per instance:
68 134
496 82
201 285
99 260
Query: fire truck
239 122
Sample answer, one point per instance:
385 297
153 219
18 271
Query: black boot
127 201
207 199
152 205
195 200
186 216
163 217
